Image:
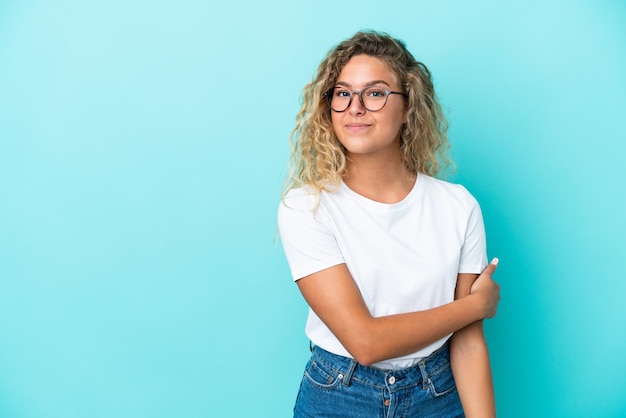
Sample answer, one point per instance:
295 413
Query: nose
356 107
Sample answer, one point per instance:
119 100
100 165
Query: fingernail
495 261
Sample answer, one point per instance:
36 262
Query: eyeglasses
371 98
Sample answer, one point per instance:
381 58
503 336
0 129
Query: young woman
390 260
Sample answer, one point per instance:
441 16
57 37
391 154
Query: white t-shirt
404 257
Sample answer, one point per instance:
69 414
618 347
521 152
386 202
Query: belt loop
349 373
425 378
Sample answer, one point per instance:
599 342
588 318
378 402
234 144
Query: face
360 131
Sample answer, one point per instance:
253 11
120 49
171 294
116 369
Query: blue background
142 151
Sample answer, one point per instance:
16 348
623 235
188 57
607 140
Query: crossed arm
469 359
335 298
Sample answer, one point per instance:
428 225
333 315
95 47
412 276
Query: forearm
337 301
471 368
377 339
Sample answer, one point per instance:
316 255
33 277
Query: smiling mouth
357 126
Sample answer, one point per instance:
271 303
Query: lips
357 126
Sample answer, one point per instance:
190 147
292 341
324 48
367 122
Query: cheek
399 119
394 123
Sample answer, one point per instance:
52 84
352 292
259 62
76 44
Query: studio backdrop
143 148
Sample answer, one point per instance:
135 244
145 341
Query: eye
375 92
341 93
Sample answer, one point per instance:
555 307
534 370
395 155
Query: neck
383 179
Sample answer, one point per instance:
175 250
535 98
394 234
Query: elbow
469 341
364 343
366 361
364 351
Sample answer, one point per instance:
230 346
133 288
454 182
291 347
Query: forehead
362 69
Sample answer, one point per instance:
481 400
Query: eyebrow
368 84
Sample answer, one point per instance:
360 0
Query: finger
491 267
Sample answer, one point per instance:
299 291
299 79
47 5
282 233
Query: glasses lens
339 99
374 98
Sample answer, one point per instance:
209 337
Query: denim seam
320 385
438 370
319 360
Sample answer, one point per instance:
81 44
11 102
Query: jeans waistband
348 369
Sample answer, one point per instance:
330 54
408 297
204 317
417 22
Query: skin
375 171
372 139
469 358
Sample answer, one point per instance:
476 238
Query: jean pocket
442 382
322 376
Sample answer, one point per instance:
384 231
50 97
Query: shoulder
307 199
447 191
301 199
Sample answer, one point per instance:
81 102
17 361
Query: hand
487 289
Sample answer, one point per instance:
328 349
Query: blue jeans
336 386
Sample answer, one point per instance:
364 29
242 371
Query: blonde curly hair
319 160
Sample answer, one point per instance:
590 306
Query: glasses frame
329 98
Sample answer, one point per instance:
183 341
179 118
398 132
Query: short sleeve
474 251
307 238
